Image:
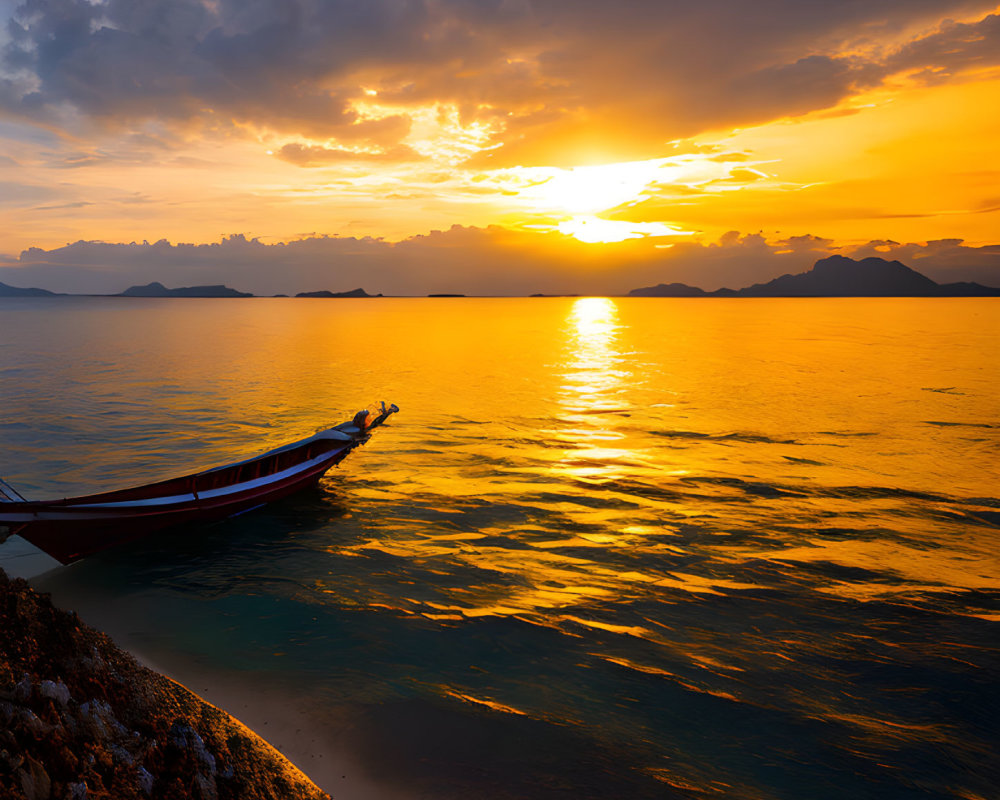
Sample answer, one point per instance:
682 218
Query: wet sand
299 734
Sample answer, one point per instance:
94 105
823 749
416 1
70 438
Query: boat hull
69 533
74 528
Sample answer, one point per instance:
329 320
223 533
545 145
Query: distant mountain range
837 276
156 289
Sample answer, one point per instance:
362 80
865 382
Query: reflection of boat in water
75 527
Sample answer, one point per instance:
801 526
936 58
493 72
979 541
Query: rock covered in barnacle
34 780
145 780
56 690
81 719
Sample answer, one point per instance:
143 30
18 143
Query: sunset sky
495 145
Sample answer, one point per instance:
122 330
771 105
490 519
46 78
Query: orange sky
656 122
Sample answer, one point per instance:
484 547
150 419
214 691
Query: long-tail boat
75 527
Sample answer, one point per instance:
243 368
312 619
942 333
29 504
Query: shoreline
81 713
279 721
282 724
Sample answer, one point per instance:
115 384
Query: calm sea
630 548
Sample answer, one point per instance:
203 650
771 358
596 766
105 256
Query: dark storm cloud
956 47
643 71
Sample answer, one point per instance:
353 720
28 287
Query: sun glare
592 229
587 190
573 199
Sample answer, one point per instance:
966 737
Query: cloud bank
467 260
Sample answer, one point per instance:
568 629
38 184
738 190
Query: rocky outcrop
80 719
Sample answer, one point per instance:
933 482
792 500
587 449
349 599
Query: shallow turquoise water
609 548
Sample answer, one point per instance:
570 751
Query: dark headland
837 276
15 291
80 718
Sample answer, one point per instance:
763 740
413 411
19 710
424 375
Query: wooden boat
75 527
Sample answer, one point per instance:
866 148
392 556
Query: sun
571 200
594 230
590 189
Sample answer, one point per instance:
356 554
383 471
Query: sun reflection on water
593 375
593 380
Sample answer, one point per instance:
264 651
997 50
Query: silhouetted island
446 295
670 290
15 291
325 293
157 289
837 276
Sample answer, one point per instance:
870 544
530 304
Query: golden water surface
752 542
